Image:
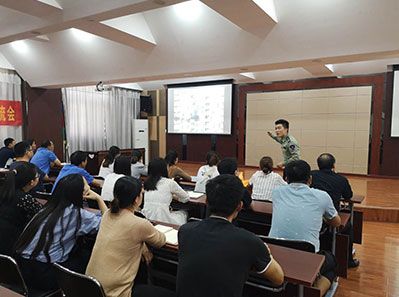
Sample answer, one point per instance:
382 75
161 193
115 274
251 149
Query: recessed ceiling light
82 35
20 46
189 11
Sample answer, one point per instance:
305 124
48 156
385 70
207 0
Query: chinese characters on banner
10 113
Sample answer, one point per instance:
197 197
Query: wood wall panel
377 81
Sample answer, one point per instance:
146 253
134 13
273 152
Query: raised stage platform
381 201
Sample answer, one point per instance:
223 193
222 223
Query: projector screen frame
200 84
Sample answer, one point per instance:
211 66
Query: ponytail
266 165
115 205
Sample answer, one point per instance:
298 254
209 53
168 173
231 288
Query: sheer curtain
10 89
97 120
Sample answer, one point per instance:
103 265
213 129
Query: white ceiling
155 42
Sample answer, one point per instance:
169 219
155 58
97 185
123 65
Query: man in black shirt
215 257
6 152
338 187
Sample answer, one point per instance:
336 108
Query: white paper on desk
194 195
163 229
171 237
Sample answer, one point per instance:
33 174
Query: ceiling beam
41 9
245 14
65 22
318 69
115 35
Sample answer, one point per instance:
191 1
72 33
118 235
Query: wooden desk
356 217
4 292
299 267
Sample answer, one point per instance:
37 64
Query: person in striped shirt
264 181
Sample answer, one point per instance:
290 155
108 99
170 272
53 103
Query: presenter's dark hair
122 165
297 172
110 157
224 194
78 158
21 148
156 170
136 156
283 122
212 158
126 190
171 157
325 161
8 141
266 164
227 166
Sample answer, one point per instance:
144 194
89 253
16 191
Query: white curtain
97 120
10 89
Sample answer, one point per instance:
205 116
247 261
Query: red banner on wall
10 113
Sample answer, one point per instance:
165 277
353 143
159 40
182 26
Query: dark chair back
293 244
74 284
10 275
258 228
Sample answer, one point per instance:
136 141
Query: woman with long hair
209 170
175 171
17 206
138 168
264 181
159 192
122 241
51 235
107 166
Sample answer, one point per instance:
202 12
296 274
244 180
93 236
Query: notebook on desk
170 234
194 195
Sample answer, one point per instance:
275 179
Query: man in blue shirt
45 158
78 165
298 213
7 152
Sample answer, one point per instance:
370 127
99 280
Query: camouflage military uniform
289 147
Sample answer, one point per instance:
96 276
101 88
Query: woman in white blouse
209 170
159 192
107 166
264 181
121 168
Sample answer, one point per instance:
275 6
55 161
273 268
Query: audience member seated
17 206
23 153
175 171
138 168
215 257
298 213
45 158
7 152
122 240
264 181
52 234
121 169
32 143
107 165
209 170
159 192
229 166
78 164
337 186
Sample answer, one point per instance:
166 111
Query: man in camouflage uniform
289 145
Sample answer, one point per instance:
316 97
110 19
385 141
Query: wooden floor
378 273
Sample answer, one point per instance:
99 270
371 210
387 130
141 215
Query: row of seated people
160 164
262 182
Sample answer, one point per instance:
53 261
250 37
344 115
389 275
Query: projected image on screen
200 109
